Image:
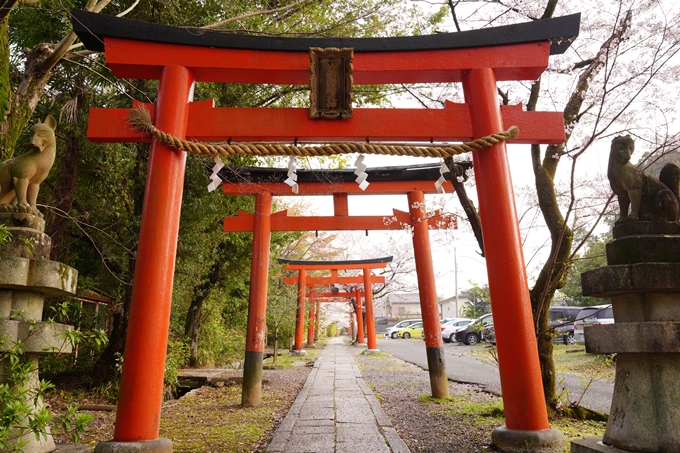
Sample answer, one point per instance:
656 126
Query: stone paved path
336 412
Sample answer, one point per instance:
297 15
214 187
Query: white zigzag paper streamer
292 176
215 180
439 184
361 174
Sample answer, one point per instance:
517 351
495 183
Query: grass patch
376 354
582 364
491 414
216 421
287 361
577 363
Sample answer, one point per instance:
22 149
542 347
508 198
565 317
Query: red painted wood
429 305
370 318
517 351
145 60
280 221
259 274
310 324
341 295
450 124
360 318
374 188
325 281
141 386
340 205
300 314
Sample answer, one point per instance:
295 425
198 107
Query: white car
591 316
450 328
391 332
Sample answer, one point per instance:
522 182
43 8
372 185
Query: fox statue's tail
670 176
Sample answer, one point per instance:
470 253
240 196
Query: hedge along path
140 120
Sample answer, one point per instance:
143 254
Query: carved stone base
22 220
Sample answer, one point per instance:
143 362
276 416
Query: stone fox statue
21 176
648 198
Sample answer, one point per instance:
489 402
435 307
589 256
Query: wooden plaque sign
330 83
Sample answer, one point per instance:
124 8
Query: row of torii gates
307 289
179 57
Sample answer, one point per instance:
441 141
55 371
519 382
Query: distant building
402 304
448 309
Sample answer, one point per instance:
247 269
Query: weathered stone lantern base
27 276
643 281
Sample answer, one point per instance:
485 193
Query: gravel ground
426 426
279 390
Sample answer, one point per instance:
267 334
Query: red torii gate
178 59
367 279
264 183
312 282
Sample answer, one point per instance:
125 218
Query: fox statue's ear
51 122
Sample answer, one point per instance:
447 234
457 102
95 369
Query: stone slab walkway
336 412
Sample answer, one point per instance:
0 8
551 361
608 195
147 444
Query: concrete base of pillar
361 345
520 441
372 351
310 346
70 448
298 353
160 445
593 445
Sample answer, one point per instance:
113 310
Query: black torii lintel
386 259
421 172
92 28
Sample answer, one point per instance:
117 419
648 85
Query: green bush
331 330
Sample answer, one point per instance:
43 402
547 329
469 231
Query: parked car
391 332
414 330
562 320
449 329
473 333
592 316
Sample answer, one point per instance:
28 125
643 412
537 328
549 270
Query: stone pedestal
643 282
27 276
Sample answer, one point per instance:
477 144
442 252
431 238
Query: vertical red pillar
519 367
318 320
360 319
429 306
350 331
310 325
370 319
300 314
141 385
257 304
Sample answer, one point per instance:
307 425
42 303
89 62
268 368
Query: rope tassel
140 120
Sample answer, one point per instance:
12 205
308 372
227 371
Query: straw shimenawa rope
140 120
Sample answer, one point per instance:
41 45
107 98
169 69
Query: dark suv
562 320
476 331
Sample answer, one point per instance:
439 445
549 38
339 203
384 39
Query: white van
592 316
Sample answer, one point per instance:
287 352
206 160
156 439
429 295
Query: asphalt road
463 367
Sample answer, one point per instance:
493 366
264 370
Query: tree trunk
554 271
467 204
105 367
64 190
192 325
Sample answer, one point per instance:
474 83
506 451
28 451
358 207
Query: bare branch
256 13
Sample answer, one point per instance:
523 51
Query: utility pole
455 268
